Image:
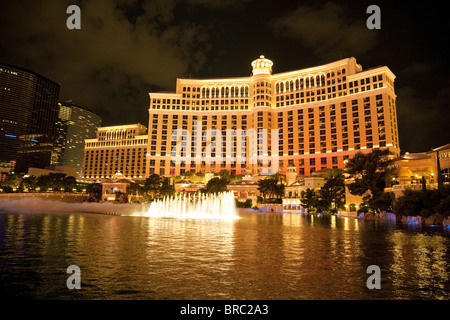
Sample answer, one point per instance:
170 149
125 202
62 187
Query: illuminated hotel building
323 114
116 151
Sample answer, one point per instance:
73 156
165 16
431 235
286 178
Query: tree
225 174
55 181
120 196
13 180
200 173
332 193
29 182
369 174
95 191
309 199
271 186
385 202
153 184
279 190
216 185
167 189
69 183
188 174
135 189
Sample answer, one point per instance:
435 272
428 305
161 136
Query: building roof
244 182
183 182
28 71
444 147
414 156
296 183
422 155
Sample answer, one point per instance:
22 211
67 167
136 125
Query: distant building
117 150
74 125
28 113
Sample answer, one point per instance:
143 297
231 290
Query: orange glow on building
117 150
323 114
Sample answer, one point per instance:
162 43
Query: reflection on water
261 256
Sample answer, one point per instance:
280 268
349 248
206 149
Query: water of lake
260 256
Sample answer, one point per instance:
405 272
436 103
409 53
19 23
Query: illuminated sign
444 155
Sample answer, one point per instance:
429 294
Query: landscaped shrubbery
247 204
423 203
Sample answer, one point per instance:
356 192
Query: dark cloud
327 29
416 69
422 120
127 48
96 64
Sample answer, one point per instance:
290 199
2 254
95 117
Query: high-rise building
28 112
73 126
313 118
116 151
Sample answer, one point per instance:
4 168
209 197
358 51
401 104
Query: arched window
291 85
297 84
322 80
277 88
302 84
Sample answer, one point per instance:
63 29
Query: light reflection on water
261 256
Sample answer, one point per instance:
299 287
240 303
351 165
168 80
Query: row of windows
116 143
281 100
220 91
235 89
203 108
117 134
243 164
300 84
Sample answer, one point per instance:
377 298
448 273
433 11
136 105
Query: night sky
127 48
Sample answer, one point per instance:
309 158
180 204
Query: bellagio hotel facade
313 118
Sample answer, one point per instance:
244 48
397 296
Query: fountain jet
203 206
